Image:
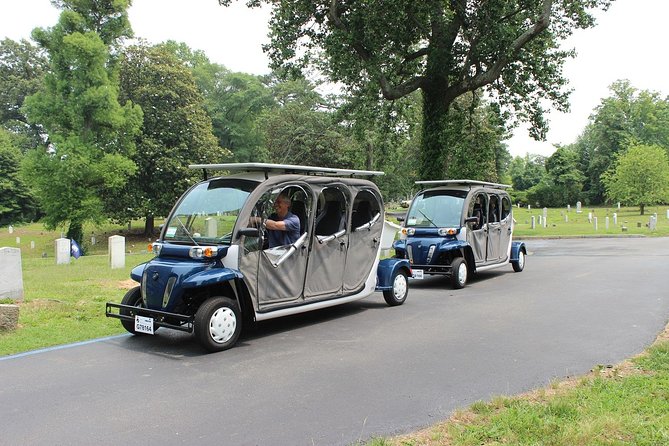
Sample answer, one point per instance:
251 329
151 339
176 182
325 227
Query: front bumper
165 319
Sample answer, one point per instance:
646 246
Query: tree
176 132
443 49
640 177
627 117
90 134
16 202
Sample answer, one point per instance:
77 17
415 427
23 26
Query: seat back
298 208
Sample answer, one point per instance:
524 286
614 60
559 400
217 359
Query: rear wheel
519 265
459 273
132 298
218 323
398 294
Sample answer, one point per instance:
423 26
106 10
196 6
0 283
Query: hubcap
222 325
399 286
462 273
521 259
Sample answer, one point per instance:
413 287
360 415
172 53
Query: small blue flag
75 250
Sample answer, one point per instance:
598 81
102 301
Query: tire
218 323
133 298
400 290
459 273
519 264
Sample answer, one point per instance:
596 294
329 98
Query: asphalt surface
349 373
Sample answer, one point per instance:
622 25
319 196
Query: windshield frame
191 225
428 218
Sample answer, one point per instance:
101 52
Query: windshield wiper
427 218
186 231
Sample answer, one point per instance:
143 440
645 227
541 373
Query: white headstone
566 218
62 251
11 228
618 205
116 251
667 213
93 240
590 217
652 224
568 208
32 244
11 274
540 221
529 207
533 224
578 207
607 223
18 240
211 225
615 219
545 217
595 222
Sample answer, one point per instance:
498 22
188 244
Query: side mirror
249 232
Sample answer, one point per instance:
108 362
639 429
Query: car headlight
155 248
203 252
447 231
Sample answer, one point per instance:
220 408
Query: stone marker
590 217
32 244
93 240
9 317
578 207
595 223
533 223
568 208
652 224
18 240
615 219
566 218
607 223
62 251
11 228
211 225
618 205
116 251
11 274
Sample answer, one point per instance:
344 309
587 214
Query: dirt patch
127 284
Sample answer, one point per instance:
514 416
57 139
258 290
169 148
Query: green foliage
16 202
176 132
627 117
442 49
561 182
639 177
90 134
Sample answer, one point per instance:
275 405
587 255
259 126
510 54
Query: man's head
281 205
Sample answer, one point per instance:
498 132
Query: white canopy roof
464 183
286 169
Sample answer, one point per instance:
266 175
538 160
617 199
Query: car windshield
207 214
437 209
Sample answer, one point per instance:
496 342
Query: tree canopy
444 49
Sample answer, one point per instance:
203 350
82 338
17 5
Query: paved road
350 373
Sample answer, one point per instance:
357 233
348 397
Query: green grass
66 303
628 405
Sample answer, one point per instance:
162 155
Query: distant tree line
95 126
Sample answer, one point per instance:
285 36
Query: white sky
626 44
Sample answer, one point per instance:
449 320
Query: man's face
281 207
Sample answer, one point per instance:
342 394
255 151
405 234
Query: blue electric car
213 269
459 227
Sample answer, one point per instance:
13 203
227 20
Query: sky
627 43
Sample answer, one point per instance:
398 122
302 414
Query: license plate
143 324
417 274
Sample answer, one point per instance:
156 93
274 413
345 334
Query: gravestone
568 208
62 251
533 223
652 223
590 217
529 207
211 225
607 223
93 240
545 217
540 221
615 219
595 223
566 218
18 240
618 205
11 228
578 207
116 246
11 274
32 244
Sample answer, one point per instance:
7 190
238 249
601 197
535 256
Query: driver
283 227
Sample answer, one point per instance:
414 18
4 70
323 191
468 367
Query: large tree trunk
149 226
433 159
643 208
76 232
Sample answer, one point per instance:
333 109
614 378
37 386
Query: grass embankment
624 405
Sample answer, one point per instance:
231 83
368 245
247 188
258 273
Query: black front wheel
459 273
519 264
398 294
218 324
